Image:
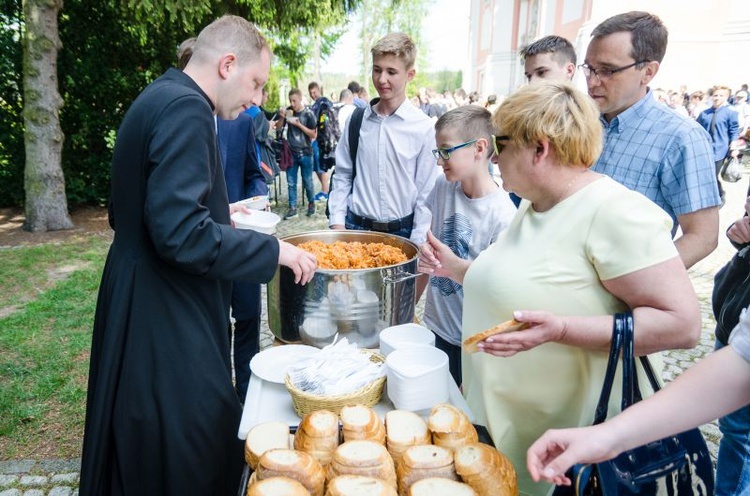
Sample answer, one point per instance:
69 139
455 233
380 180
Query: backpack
355 123
263 144
329 133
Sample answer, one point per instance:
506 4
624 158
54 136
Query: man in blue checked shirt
648 147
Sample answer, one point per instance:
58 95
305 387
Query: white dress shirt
395 169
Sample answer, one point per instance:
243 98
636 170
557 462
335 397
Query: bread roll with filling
450 427
486 470
470 343
435 486
277 486
404 429
294 464
318 435
366 458
358 485
360 422
423 461
263 437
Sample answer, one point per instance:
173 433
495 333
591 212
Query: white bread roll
423 461
366 458
450 427
277 486
318 435
404 429
486 470
360 422
263 437
435 486
358 485
294 464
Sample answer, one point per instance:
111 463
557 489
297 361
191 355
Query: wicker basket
368 395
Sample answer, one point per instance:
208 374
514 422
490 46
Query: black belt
387 227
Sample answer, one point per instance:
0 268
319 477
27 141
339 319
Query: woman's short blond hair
399 45
556 111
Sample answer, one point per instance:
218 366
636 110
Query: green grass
49 295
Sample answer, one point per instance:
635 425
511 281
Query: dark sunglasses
498 143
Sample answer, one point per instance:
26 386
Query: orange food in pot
353 254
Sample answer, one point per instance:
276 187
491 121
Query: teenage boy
385 190
301 131
551 57
469 210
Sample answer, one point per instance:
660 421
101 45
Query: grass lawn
47 306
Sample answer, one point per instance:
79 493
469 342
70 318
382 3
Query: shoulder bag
731 172
678 465
731 293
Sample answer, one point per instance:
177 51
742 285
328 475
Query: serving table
269 401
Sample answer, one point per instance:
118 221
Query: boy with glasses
385 188
648 147
469 210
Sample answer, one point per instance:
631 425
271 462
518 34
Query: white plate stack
418 377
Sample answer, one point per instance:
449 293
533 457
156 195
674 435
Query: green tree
376 18
111 50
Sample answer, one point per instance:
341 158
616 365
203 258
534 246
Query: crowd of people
579 224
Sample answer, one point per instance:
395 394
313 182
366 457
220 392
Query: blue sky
445 28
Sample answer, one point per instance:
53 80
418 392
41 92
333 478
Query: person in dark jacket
161 412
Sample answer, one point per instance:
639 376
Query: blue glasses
445 153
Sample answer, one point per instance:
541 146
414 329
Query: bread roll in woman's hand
470 343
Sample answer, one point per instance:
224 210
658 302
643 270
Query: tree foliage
110 51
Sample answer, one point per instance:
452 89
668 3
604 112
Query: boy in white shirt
469 210
394 172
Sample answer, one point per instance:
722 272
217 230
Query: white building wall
709 41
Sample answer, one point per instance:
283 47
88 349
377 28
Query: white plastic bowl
255 202
395 337
257 220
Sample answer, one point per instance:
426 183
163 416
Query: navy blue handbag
678 465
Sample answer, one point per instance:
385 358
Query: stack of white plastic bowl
417 372
417 377
392 338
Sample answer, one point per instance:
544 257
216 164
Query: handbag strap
609 377
631 388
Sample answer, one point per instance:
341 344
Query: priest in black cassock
161 414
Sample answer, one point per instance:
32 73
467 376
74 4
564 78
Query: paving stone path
60 477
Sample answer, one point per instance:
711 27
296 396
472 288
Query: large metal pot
356 303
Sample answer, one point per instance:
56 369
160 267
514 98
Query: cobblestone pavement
60 477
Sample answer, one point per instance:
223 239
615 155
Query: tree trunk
44 183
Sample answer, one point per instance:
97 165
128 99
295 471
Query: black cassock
161 414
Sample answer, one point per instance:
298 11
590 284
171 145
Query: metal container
356 303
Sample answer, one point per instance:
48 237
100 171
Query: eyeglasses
604 73
445 153
497 142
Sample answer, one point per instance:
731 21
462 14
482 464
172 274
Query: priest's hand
302 263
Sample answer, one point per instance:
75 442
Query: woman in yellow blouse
581 248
